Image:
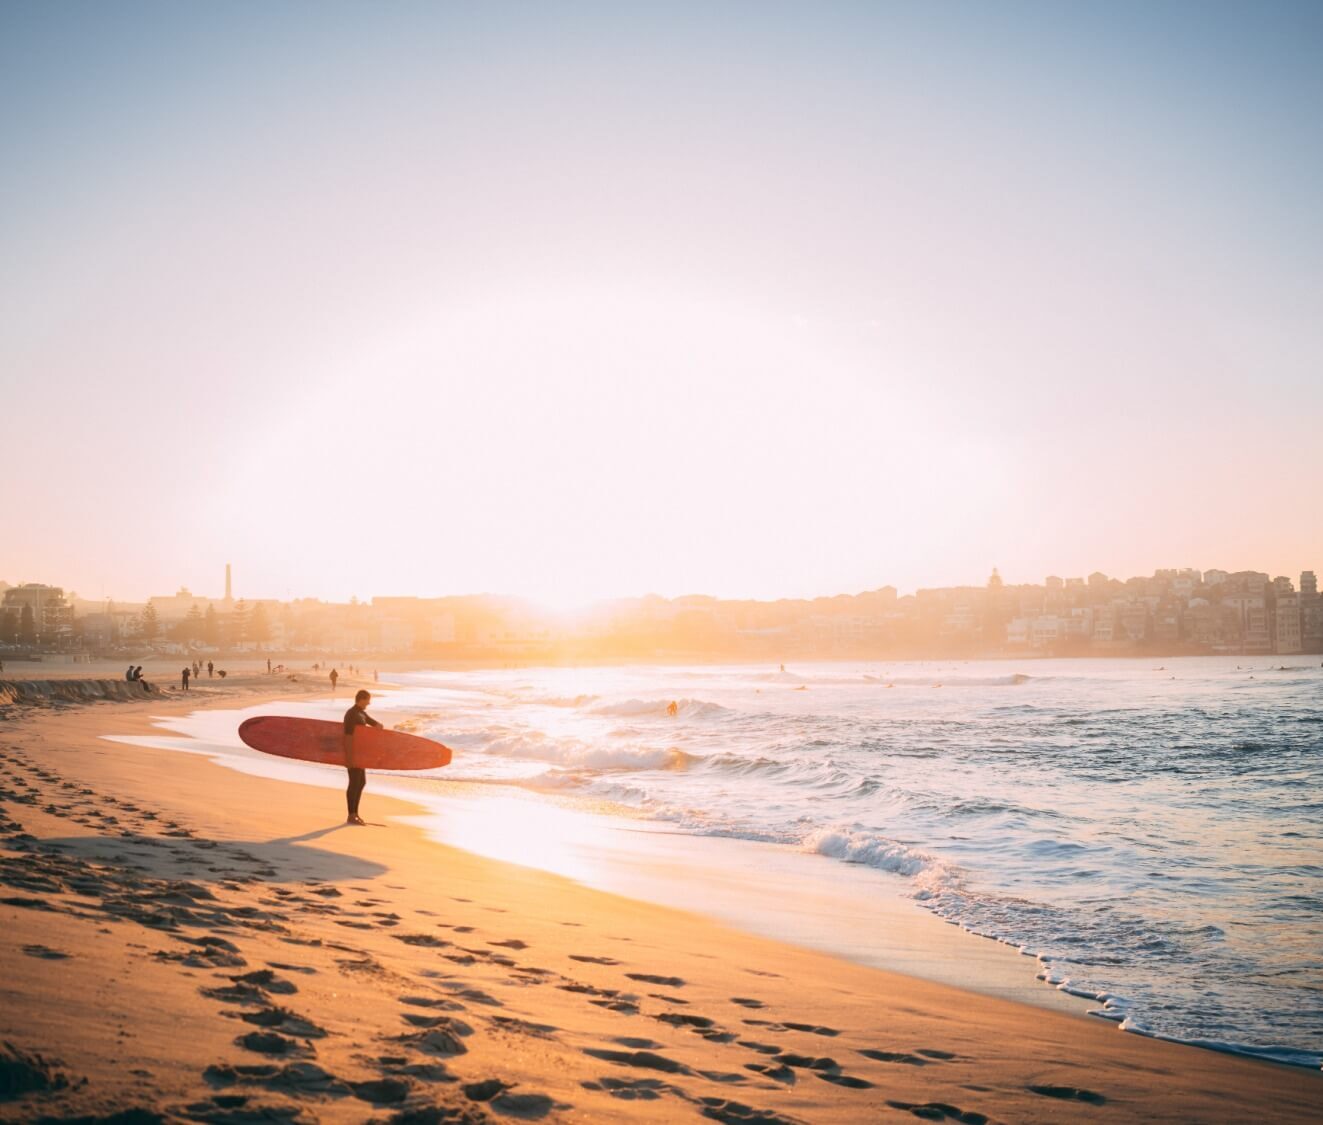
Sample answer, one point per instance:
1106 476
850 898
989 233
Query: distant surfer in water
356 716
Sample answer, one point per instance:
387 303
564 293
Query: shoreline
771 890
888 1044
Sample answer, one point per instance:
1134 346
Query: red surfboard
320 740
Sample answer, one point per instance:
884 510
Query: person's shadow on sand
287 860
318 833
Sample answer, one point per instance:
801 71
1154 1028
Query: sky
572 300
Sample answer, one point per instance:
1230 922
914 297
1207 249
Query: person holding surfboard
355 717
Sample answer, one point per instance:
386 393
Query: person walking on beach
334 676
356 716
187 672
211 668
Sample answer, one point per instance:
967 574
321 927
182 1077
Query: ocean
1150 830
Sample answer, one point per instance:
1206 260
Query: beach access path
201 944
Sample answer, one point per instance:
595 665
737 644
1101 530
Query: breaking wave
685 708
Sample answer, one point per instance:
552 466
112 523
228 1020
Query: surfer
356 716
672 708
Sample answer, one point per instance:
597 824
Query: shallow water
1153 834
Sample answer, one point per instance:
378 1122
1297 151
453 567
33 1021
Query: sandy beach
185 942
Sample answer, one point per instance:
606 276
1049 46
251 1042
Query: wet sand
202 944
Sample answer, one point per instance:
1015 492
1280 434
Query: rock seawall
27 693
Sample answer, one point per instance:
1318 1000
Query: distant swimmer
672 708
356 716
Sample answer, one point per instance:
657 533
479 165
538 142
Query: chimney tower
227 582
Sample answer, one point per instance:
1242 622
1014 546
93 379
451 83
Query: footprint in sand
299 1078
382 1091
45 953
778 1073
646 1060
806 1062
812 1029
761 1048
650 978
485 1090
941 1111
268 981
525 1105
525 1027
442 1040
22 1073
477 996
428 940
424 1021
633 1089
431 1002
736 1113
893 1057
683 1019
587 989
1068 1093
846 1080
288 1022
273 1043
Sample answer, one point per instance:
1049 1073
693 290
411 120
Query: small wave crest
562 700
857 845
1015 679
685 708
567 753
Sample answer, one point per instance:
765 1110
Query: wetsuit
356 717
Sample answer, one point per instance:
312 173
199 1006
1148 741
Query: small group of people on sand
134 676
194 672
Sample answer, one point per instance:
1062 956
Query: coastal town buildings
37 614
1172 611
